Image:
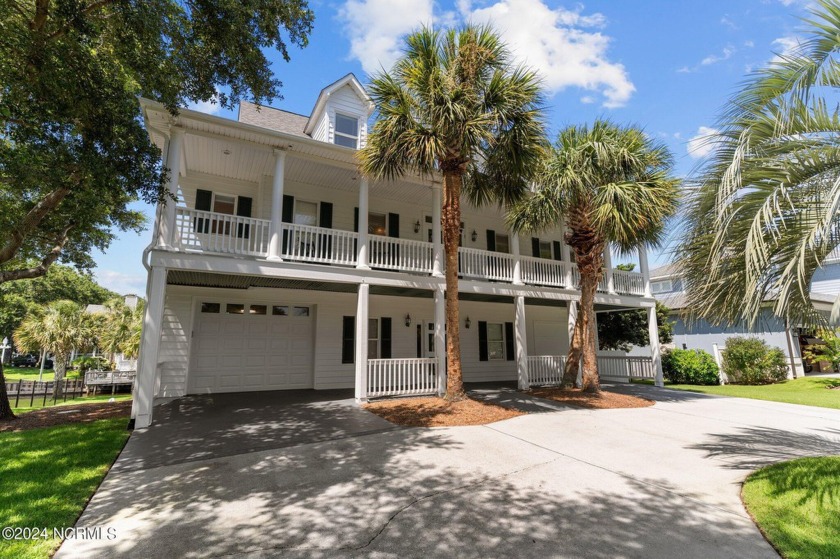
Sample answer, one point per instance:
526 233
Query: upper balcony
216 233
253 193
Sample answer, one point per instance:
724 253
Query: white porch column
517 261
440 339
608 270
275 245
362 342
653 333
644 268
520 334
362 258
144 383
166 234
437 239
566 256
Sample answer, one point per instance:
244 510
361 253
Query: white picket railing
541 271
400 254
318 244
546 369
484 264
619 366
401 377
628 283
201 231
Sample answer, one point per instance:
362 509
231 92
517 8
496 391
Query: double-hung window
495 341
346 131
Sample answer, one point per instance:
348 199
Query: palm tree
119 332
61 328
455 104
613 186
764 213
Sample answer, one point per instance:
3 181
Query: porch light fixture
407 320
474 236
417 226
467 323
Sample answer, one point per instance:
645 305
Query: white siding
345 101
173 358
827 279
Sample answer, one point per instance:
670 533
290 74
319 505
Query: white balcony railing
483 264
202 231
400 254
541 271
628 283
318 244
401 377
546 370
620 366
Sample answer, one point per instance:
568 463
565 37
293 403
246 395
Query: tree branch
94 6
42 12
34 218
41 269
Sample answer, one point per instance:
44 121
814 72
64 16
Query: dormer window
346 131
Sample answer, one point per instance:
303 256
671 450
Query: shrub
85 364
688 366
752 361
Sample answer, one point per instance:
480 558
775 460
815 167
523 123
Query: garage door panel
251 352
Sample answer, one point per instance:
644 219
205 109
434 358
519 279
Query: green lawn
797 506
31 373
807 391
47 475
24 402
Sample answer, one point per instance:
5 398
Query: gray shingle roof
273 119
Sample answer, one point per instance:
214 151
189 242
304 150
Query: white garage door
244 347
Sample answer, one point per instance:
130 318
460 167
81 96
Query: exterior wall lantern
407 320
474 236
417 226
467 323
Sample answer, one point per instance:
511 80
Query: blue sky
665 65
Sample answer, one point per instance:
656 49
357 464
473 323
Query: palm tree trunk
451 217
60 367
589 361
6 412
570 373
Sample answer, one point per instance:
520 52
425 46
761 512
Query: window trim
503 341
662 286
377 339
336 133
384 222
317 212
508 241
228 195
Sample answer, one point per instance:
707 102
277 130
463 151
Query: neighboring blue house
667 286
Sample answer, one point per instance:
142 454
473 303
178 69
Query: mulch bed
59 415
603 400
437 412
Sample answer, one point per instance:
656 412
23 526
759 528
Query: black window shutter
348 339
394 225
510 352
535 247
482 341
420 340
288 208
325 219
243 209
203 202
356 220
385 337
491 240
558 250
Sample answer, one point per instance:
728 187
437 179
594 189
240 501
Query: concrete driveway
662 481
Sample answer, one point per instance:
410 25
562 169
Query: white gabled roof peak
348 80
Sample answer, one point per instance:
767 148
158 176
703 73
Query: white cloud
700 145
784 46
726 54
376 27
564 46
561 45
210 107
728 22
749 44
121 283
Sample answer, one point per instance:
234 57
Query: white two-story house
280 267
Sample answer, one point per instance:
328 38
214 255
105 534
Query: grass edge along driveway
796 505
809 391
47 476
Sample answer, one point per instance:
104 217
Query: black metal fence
30 392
